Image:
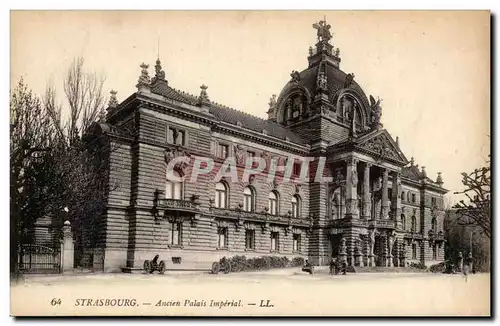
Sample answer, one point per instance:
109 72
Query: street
287 292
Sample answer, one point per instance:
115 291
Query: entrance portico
365 210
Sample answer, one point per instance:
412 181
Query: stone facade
377 209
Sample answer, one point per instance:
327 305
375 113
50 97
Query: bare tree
477 209
85 98
82 165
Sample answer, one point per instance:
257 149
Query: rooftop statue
323 31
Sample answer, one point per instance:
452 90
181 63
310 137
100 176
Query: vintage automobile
338 266
308 268
153 265
223 266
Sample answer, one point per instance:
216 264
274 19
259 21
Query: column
351 196
366 192
390 247
68 250
385 195
395 257
402 255
396 198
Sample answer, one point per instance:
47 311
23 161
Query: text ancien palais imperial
193 181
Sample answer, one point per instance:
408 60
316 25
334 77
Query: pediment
381 146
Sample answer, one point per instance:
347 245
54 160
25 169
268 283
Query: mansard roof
229 115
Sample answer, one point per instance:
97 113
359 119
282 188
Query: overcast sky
431 69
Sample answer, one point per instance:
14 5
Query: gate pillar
68 248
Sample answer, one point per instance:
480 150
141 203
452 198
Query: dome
336 79
324 89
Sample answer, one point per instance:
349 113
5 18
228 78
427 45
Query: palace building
377 208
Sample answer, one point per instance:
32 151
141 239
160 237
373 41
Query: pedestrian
344 267
467 264
332 266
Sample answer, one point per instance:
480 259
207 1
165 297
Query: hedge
241 263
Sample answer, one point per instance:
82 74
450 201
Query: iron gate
38 259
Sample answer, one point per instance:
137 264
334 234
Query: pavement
291 293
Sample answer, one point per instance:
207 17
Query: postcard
250 163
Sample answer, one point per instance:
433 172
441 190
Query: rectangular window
414 251
434 252
222 151
250 239
170 135
296 168
413 198
274 241
175 237
176 136
296 243
180 138
222 236
433 201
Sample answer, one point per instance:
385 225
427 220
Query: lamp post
470 240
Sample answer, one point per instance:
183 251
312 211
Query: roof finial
113 102
144 80
203 98
159 73
439 179
412 161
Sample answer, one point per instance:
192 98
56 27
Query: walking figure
467 265
332 266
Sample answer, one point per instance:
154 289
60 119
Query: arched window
295 206
221 195
408 196
249 199
413 224
273 203
403 221
173 188
402 195
434 224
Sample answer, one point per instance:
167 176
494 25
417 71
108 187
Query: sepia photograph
321 163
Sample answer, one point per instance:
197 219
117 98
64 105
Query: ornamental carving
297 188
372 234
322 82
272 102
324 33
173 153
348 80
144 77
238 154
376 111
339 177
354 177
295 76
391 239
381 147
343 247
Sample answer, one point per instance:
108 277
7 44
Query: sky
431 69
